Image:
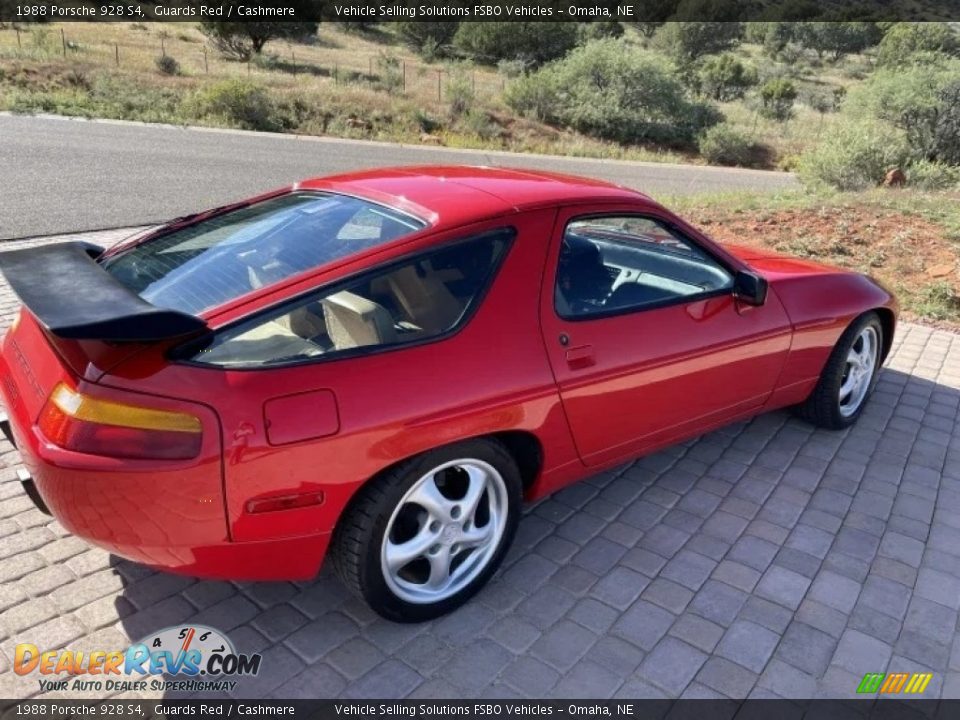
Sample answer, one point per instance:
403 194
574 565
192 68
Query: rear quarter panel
491 376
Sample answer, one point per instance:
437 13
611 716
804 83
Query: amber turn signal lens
81 423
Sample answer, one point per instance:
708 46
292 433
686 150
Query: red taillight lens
102 427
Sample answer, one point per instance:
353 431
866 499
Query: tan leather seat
353 321
425 299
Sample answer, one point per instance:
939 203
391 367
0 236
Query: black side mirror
750 288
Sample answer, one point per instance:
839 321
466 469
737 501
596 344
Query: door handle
581 357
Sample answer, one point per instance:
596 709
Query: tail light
81 423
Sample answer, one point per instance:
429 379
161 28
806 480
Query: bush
512 68
922 100
598 31
724 78
777 96
239 102
686 41
389 73
536 42
614 91
459 91
428 38
905 40
837 39
241 40
854 156
724 145
926 175
167 65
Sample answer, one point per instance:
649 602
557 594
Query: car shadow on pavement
767 559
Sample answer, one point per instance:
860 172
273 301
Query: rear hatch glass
224 257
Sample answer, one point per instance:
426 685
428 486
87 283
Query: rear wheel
420 540
849 376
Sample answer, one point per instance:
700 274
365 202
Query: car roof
450 195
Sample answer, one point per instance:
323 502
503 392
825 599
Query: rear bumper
170 518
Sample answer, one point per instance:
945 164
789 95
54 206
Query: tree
612 90
535 42
837 39
723 78
418 34
777 96
905 40
241 40
686 41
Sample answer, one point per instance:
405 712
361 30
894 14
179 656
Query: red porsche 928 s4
389 362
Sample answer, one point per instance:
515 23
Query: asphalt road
59 175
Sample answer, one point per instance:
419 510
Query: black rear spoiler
75 298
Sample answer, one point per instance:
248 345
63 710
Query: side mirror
750 288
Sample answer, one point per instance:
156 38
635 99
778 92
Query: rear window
220 259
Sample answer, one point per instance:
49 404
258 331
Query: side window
417 299
613 263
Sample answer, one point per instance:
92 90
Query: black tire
822 408
358 539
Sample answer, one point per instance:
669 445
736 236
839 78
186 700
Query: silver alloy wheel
444 531
858 373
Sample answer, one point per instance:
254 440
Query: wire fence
376 69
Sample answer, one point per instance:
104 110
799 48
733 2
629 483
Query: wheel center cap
450 533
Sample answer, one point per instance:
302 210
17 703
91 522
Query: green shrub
428 38
938 301
612 90
686 41
167 65
536 42
459 91
777 96
724 145
598 31
512 68
922 100
837 39
240 103
854 155
389 72
927 175
723 77
904 41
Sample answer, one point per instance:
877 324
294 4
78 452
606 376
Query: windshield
220 259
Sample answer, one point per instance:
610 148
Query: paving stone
530 676
835 591
857 650
643 624
672 665
769 614
727 677
807 648
939 587
476 665
700 632
619 587
748 644
718 602
563 644
587 680
668 595
617 655
783 586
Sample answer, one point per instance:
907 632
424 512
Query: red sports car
389 362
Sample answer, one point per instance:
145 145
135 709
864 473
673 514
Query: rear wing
75 298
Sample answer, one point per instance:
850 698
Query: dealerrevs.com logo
186 658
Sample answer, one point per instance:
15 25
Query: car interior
416 299
612 264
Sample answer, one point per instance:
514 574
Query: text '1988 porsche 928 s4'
387 363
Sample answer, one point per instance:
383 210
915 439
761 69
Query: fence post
336 74
403 64
116 53
19 46
206 67
63 40
439 91
370 66
163 47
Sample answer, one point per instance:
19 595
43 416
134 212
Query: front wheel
421 539
849 376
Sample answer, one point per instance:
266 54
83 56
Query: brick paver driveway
766 559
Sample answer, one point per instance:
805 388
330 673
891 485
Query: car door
646 339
